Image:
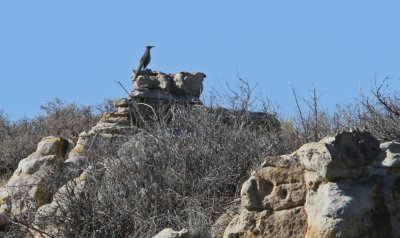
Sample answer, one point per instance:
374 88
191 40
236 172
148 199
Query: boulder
32 183
347 209
346 185
346 155
344 199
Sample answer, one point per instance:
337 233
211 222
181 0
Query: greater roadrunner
144 61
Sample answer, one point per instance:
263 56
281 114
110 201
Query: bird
144 61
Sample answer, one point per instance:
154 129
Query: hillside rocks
154 87
32 183
347 185
342 186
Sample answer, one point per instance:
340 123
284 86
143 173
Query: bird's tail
137 72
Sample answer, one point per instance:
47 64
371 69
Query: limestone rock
391 154
171 233
116 123
274 188
347 155
149 80
324 189
121 104
272 202
344 199
190 84
346 209
29 186
279 224
157 87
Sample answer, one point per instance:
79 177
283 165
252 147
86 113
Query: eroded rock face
346 155
343 200
154 87
343 186
271 196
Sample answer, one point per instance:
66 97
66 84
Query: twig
42 233
298 108
118 82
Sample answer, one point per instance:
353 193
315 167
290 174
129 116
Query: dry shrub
381 114
188 162
184 168
19 139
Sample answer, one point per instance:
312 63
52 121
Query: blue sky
75 50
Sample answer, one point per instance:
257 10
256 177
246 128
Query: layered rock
154 87
342 186
111 124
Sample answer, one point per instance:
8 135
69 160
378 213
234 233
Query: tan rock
343 198
274 188
152 81
279 224
157 87
188 83
121 102
346 209
346 155
272 202
52 145
28 189
171 233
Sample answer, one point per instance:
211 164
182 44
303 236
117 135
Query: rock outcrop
154 87
342 186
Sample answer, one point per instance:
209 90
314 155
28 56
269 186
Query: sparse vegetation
187 164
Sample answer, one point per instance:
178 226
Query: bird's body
144 61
